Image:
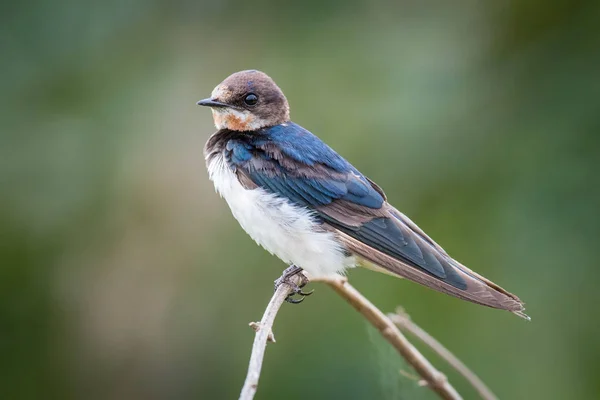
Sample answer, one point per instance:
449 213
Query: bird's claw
290 299
301 293
296 289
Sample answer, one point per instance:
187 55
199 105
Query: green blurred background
124 276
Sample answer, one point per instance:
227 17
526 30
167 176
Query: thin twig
431 376
435 379
403 321
264 333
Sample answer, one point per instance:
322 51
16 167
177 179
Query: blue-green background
124 276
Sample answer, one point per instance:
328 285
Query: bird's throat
235 120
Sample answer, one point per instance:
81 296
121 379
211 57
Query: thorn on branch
257 327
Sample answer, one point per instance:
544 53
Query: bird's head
247 101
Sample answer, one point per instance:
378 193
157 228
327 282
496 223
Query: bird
306 204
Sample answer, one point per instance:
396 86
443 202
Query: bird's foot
296 289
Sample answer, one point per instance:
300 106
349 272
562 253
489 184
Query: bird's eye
251 99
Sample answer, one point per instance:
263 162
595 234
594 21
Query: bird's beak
212 103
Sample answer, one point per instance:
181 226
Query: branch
264 333
434 379
403 321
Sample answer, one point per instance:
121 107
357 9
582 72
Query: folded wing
310 174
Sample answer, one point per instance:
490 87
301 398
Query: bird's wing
312 175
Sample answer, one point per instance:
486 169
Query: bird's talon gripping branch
304 282
288 273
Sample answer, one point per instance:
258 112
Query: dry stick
263 333
403 321
434 379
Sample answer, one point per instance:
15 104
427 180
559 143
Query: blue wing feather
293 163
302 146
290 161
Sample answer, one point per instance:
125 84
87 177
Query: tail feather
478 289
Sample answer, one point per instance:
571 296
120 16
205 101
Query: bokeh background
124 276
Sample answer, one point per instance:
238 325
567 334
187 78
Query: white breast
284 229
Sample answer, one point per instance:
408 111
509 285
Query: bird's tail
477 289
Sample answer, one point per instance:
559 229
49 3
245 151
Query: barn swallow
303 202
